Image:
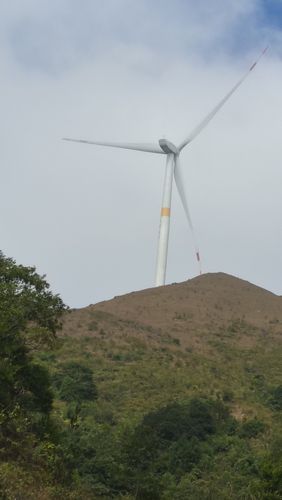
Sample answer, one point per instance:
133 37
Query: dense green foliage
100 418
29 318
74 382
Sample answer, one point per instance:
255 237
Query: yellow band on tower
165 212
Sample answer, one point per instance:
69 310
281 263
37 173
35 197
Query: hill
214 336
214 327
186 311
169 393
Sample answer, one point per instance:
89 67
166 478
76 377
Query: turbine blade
215 110
181 190
146 147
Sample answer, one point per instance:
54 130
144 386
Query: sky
134 70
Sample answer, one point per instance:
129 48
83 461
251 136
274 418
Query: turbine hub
168 147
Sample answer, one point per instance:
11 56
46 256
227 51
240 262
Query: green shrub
227 396
74 382
251 428
275 401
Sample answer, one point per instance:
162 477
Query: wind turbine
172 153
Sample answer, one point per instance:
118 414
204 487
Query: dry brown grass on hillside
189 312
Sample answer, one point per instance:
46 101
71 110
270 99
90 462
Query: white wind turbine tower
172 153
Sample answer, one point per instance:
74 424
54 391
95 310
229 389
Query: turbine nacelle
168 147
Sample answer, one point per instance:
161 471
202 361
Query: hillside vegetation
168 393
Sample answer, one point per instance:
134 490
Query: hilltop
186 311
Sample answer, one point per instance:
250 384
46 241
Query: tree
29 316
169 440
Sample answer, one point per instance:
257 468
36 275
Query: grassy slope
214 335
